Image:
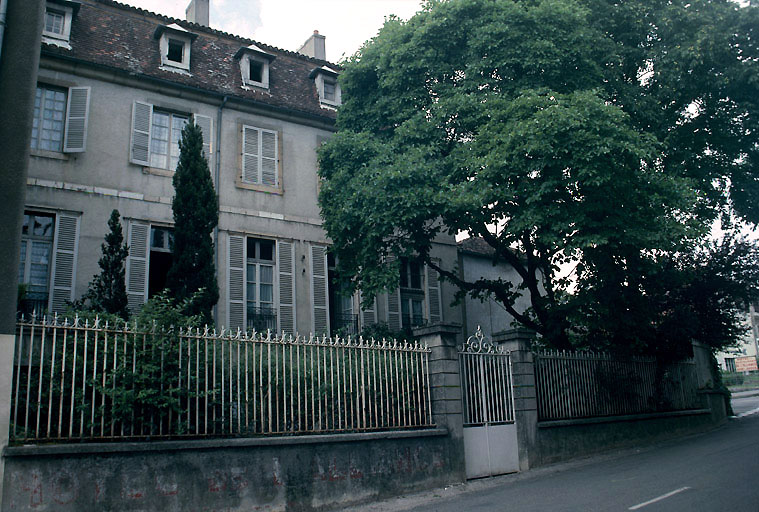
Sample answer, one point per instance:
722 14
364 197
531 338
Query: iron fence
584 385
76 380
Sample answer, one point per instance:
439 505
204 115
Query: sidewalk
744 394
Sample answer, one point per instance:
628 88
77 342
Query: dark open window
256 71
160 258
176 50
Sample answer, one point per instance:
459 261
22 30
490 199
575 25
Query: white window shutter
139 146
250 154
394 309
236 283
368 315
269 158
434 313
63 269
206 125
319 291
77 114
286 270
137 265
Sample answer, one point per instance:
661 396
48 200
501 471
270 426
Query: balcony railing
32 304
345 324
412 321
262 319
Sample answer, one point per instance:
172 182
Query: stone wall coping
439 328
210 444
615 419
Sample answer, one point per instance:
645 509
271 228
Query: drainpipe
217 173
3 11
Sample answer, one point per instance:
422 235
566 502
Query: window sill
259 188
57 41
54 155
176 69
255 86
158 172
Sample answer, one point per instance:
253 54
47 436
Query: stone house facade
115 86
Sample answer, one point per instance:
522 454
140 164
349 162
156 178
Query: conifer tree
195 209
107 290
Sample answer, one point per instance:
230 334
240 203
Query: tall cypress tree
196 213
107 290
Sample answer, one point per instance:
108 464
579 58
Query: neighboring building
116 84
477 261
743 356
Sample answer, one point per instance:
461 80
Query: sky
287 24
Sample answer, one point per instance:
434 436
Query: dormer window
58 17
254 66
327 86
174 46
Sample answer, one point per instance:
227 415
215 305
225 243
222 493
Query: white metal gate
490 433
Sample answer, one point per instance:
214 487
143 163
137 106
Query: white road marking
748 413
663 496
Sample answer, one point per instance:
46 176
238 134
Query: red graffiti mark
277 481
334 475
239 482
35 490
133 494
217 483
356 474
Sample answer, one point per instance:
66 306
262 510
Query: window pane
22 264
266 250
416 274
267 294
42 225
157 238
267 274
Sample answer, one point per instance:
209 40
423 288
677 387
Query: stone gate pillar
445 381
519 343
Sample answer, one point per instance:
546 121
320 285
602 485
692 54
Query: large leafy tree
588 133
196 213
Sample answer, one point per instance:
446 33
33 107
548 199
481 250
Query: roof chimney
197 12
314 46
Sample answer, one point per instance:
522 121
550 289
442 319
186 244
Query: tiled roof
475 246
111 34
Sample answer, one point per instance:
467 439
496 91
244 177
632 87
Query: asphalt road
713 472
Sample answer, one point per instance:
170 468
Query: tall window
164 139
36 254
259 156
49 118
342 319
160 258
262 313
412 293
